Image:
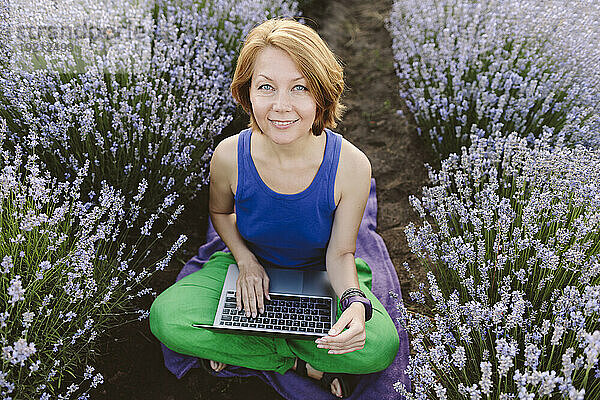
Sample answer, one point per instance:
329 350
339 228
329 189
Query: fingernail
253 315
331 332
261 311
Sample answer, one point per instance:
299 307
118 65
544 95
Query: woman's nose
282 101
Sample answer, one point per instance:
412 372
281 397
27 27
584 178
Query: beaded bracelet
352 292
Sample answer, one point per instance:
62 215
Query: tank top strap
331 160
243 161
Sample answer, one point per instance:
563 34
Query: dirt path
133 364
355 31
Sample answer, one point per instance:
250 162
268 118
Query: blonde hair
317 63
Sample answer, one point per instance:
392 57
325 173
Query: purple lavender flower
516 277
496 67
61 266
145 108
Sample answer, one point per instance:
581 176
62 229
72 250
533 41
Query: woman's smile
283 124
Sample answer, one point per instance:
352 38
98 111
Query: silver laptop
303 305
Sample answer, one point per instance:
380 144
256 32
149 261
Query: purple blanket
371 248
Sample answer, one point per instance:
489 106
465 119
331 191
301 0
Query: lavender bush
117 134
146 112
511 241
66 276
493 67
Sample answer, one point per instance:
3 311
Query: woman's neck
291 155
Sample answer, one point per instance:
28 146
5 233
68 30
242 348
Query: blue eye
266 86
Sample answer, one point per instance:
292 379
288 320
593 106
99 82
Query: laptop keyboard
283 313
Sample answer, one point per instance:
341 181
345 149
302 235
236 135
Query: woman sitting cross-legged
299 191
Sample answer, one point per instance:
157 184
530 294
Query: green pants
194 299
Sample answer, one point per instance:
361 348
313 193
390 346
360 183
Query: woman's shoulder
353 167
224 158
352 159
227 146
226 150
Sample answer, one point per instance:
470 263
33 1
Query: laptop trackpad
284 280
317 283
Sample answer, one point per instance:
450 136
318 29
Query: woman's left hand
339 341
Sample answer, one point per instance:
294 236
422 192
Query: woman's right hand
252 287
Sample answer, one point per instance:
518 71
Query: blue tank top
286 230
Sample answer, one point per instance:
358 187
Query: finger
341 346
350 350
266 286
339 325
251 310
255 296
346 336
336 345
353 333
238 295
342 341
246 298
260 299
345 349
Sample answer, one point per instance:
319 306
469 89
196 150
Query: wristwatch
346 301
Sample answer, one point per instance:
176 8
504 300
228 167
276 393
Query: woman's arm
355 180
355 183
221 200
253 282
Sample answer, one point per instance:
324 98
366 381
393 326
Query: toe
217 366
336 388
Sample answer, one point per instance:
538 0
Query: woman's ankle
313 373
310 370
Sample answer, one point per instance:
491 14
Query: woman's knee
160 317
171 321
385 344
390 345
167 325
378 353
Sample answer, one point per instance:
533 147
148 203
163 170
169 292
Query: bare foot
336 389
217 366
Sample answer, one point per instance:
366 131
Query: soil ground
131 360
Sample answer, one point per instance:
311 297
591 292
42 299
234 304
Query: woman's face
283 107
